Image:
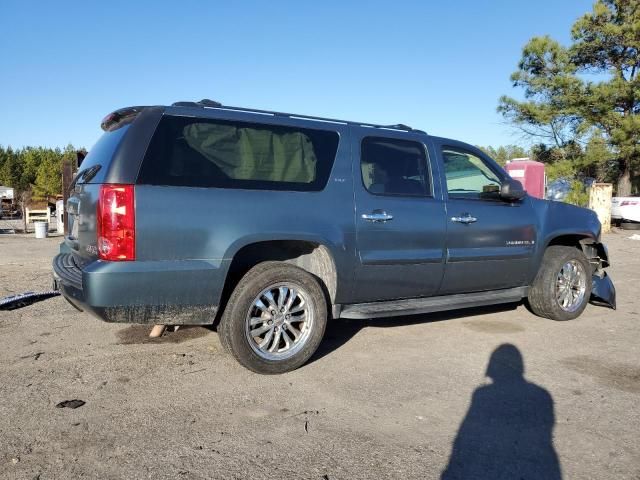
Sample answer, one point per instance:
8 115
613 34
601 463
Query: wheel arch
310 254
568 240
595 251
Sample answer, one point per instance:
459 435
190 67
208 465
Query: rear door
490 242
400 217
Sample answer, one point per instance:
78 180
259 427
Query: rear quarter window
195 152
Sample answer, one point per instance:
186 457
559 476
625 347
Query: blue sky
438 66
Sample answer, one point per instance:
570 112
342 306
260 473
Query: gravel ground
390 398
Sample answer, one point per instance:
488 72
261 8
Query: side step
413 306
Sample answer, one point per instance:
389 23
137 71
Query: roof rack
206 103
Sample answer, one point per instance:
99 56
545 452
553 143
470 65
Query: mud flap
603 293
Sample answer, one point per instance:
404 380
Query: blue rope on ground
24 299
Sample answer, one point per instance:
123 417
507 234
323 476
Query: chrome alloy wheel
279 321
571 284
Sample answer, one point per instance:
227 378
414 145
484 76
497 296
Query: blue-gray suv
268 224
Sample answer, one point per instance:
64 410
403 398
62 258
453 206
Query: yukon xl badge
92 249
517 243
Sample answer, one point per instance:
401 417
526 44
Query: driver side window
468 176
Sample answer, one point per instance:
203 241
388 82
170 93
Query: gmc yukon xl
268 224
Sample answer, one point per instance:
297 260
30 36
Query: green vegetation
503 154
578 194
36 171
582 102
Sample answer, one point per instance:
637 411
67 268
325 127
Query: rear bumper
172 293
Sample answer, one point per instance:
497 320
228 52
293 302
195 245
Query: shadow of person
507 432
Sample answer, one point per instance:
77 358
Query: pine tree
563 105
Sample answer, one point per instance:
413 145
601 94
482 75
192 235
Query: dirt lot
382 398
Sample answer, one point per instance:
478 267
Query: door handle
464 218
379 216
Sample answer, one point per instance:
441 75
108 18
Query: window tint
394 167
94 166
195 152
468 176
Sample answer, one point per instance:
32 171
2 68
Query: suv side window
468 176
200 152
394 167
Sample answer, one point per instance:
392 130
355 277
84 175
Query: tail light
116 224
624 203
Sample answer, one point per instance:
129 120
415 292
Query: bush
578 195
560 169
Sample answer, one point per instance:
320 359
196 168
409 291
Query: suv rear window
198 152
94 166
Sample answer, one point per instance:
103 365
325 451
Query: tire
545 297
296 295
630 225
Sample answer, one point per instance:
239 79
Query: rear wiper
85 176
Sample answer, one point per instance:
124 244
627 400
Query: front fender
572 224
603 293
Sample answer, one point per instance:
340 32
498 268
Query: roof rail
206 103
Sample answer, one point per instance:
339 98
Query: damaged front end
603 293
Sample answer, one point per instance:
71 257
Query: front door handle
464 218
377 216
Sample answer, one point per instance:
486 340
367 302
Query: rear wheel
275 318
562 287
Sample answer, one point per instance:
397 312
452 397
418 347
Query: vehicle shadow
507 432
340 330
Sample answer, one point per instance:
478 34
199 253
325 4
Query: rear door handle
377 216
464 218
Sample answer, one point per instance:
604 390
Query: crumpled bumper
603 293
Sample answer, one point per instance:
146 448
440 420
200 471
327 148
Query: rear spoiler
120 117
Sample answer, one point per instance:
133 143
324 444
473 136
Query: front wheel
562 287
275 318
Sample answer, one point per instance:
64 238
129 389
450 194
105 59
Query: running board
412 306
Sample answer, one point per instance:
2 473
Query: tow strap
25 299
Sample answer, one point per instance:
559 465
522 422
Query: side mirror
512 190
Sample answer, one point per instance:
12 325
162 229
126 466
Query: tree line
36 171
595 159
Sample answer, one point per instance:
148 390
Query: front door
490 242
400 218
